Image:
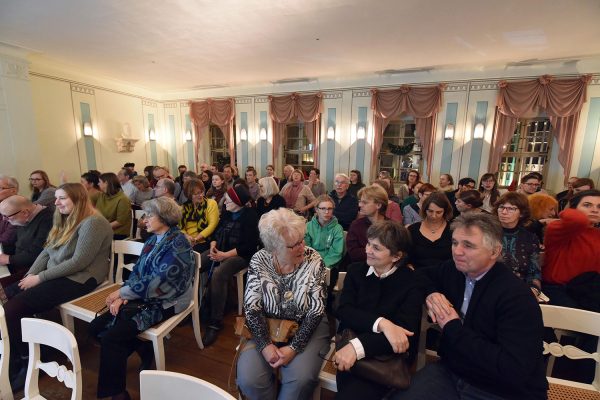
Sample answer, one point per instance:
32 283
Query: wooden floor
182 355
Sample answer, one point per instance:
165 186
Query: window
400 132
297 149
528 151
219 152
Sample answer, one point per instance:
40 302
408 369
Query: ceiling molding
82 89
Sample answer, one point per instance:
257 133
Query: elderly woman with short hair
286 280
143 191
200 216
161 282
269 199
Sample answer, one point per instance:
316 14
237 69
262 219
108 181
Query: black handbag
389 370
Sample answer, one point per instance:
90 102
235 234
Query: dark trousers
352 387
42 297
117 343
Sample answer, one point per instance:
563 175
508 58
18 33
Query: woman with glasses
520 248
286 280
324 233
408 189
488 187
200 216
234 242
41 188
159 286
74 261
297 195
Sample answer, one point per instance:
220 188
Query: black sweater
30 240
498 346
366 298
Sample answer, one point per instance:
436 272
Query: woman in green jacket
325 234
114 205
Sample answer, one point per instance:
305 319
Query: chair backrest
138 214
198 265
5 389
159 385
120 248
577 320
39 331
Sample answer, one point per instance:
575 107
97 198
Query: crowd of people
479 258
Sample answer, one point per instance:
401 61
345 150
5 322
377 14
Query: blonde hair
64 226
377 194
269 185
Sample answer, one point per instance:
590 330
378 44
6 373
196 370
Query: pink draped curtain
285 109
220 113
560 99
423 103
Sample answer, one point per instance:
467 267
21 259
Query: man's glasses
11 215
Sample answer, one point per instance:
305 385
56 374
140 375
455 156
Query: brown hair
385 185
64 225
470 197
45 177
516 199
392 235
112 183
439 199
190 186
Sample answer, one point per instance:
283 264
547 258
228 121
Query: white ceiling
178 45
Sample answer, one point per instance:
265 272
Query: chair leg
317 392
159 353
196 326
67 321
240 290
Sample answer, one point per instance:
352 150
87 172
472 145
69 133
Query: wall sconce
87 129
188 136
244 134
152 134
331 133
478 131
263 134
360 133
449 133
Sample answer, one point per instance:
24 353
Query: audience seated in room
114 205
373 204
324 233
297 195
356 182
492 328
200 216
412 212
393 209
42 191
346 205
269 199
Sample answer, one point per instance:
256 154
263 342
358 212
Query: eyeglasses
35 179
295 245
328 209
532 184
507 209
6 188
11 215
339 183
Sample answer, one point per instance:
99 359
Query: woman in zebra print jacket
286 280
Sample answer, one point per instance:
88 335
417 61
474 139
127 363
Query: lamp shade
449 132
263 134
478 131
87 129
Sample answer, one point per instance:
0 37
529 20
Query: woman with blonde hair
74 261
270 199
373 202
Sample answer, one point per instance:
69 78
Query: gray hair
169 185
273 224
141 179
166 209
489 225
269 185
13 182
346 177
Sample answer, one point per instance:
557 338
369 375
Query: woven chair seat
563 392
95 301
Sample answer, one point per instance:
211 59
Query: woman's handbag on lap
281 330
388 370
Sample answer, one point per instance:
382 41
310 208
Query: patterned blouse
521 250
298 296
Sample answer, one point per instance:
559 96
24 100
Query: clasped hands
114 302
215 254
440 310
278 356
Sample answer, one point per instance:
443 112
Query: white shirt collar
382 276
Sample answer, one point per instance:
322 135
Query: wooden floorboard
182 355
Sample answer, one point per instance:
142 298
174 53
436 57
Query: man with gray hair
33 223
492 329
9 186
346 205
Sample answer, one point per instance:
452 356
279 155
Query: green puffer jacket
328 240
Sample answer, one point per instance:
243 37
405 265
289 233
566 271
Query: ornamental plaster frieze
82 89
184 104
595 80
261 99
332 95
455 87
361 93
486 85
243 100
148 103
170 105
14 68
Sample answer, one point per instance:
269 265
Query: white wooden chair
576 320
5 389
39 331
82 309
240 289
160 385
157 333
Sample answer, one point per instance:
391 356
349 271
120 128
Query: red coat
572 248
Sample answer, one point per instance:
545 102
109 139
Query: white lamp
331 133
449 133
360 133
152 134
188 136
243 134
87 129
478 131
263 134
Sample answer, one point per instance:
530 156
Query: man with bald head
8 234
33 223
